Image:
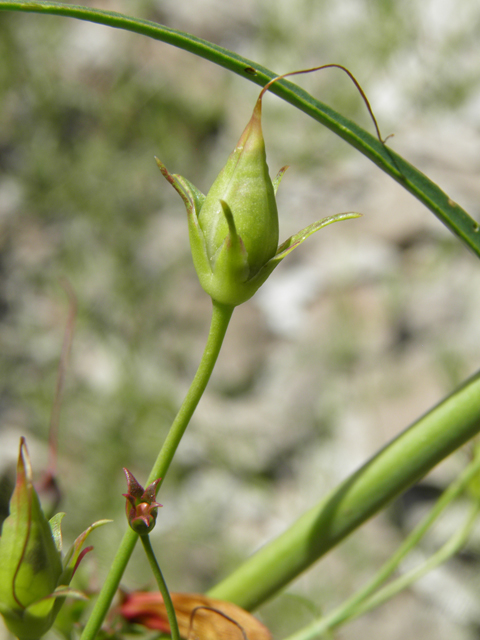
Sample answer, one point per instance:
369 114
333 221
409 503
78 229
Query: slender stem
221 315
61 373
449 549
162 585
351 607
448 211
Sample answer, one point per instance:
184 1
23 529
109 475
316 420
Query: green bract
33 579
234 229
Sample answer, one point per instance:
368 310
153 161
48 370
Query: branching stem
221 315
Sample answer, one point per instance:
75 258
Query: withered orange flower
199 617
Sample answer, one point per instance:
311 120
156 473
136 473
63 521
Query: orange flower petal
198 616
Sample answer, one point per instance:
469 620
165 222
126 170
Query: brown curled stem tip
213 610
352 78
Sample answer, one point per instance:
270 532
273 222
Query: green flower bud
245 187
234 229
33 579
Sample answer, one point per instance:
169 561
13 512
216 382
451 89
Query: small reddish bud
141 506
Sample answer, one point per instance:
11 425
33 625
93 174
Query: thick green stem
162 585
220 318
448 211
362 600
396 467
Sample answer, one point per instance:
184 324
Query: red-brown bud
141 506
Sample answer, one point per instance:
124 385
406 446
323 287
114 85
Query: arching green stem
449 212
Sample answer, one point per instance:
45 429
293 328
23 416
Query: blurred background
356 335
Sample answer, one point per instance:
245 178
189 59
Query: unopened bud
141 506
234 229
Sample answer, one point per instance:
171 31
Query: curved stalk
449 212
220 319
449 549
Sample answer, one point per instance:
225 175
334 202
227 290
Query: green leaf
398 465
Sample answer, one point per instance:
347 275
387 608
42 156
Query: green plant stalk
392 470
448 211
220 319
449 549
361 600
162 585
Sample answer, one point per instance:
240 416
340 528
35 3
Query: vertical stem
162 585
221 315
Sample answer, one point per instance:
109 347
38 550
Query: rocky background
356 335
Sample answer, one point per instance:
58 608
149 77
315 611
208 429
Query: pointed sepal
296 240
278 178
193 200
192 197
76 553
232 258
56 528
